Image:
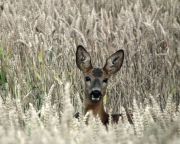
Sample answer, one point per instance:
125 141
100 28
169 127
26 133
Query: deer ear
114 62
83 59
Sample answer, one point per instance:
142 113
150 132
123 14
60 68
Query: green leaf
3 78
1 53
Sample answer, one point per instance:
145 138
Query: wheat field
41 88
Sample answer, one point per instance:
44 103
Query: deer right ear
114 62
83 59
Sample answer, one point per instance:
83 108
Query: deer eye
105 80
87 78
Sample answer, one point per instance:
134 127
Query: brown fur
98 109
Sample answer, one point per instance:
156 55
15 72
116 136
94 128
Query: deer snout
96 95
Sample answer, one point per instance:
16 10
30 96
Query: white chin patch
95 99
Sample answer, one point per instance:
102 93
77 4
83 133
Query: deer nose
95 95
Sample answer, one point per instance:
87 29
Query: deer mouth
95 99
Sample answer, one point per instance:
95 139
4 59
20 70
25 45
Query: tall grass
41 88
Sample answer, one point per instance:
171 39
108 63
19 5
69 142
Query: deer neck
97 109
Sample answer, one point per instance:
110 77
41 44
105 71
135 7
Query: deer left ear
114 62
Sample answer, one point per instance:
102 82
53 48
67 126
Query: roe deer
96 80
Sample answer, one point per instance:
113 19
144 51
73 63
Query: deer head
96 79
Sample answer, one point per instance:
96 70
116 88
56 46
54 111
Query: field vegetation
41 88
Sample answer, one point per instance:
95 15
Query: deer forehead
97 72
